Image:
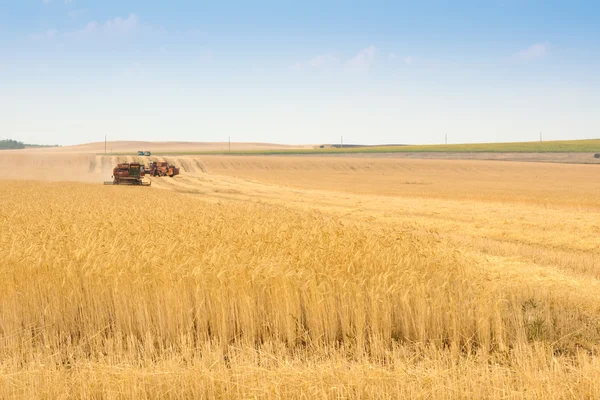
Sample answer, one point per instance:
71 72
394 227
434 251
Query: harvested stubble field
293 278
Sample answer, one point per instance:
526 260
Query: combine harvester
131 174
128 174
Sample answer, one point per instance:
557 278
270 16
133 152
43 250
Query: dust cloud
78 167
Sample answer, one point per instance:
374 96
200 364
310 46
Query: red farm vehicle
128 174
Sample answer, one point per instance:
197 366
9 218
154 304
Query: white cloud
113 27
49 34
68 1
119 25
363 60
46 1
537 50
89 29
408 60
320 62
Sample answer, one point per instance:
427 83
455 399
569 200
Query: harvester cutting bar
127 183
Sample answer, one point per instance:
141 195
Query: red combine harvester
128 174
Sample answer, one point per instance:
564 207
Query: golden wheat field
300 277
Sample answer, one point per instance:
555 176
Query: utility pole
105 144
230 144
446 138
342 142
540 137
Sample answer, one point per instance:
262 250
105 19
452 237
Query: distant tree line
9 144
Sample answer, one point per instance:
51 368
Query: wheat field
277 278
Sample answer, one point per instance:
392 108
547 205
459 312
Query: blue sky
72 71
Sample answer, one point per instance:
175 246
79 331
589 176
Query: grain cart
162 168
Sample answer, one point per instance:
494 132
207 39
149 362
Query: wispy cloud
112 27
49 34
533 52
408 60
323 61
363 60
320 62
